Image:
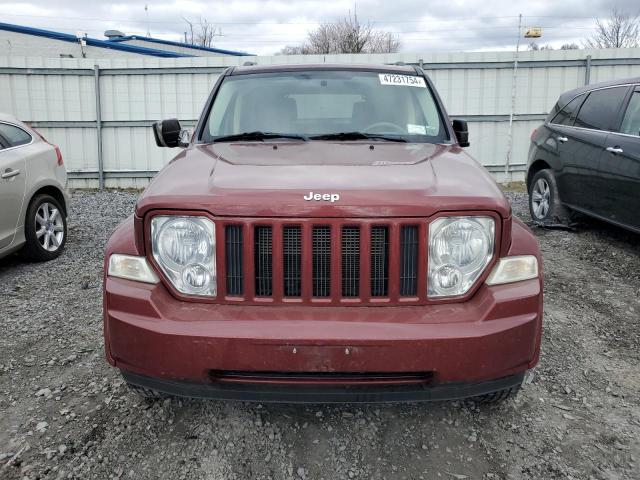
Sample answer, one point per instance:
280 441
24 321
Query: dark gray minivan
586 156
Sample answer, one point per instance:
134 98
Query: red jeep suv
322 237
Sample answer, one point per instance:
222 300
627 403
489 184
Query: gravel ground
64 413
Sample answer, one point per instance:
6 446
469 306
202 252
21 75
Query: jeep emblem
327 197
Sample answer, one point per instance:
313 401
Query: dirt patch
64 413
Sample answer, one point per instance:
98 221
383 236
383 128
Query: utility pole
513 99
146 11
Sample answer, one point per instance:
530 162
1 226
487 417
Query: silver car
33 197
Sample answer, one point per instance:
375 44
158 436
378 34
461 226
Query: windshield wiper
238 137
342 136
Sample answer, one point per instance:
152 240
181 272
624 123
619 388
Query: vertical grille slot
409 261
233 255
291 256
263 253
379 261
321 251
350 261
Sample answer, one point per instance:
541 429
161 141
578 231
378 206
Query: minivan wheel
45 229
544 200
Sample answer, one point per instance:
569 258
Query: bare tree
347 35
535 47
203 35
384 42
295 50
620 30
565 46
207 32
321 40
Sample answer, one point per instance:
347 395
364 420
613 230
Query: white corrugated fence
59 97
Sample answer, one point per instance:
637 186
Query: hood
353 179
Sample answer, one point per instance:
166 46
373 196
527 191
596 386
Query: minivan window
631 121
601 108
323 102
14 136
567 115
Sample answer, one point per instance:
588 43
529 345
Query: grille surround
394 297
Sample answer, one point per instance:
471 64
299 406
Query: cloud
266 26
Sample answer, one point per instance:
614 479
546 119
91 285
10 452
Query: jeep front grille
409 260
379 261
263 262
292 260
323 261
350 261
321 251
233 251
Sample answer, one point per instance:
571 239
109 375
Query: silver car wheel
541 198
49 227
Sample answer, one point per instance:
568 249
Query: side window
567 115
631 121
600 110
15 136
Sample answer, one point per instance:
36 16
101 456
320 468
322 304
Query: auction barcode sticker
402 80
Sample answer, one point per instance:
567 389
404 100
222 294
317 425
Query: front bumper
457 347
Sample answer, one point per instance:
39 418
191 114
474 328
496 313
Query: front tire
45 229
544 200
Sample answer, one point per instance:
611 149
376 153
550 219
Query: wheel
544 200
45 229
497 397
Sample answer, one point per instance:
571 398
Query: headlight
184 248
460 248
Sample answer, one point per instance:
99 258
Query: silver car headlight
184 249
460 248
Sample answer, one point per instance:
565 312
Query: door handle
563 139
615 150
10 173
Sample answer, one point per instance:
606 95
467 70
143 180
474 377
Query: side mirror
462 132
169 133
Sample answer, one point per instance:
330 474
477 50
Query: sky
263 27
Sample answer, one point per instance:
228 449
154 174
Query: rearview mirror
169 133
462 132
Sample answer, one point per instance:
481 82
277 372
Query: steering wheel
377 125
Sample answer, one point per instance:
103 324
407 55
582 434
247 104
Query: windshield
324 103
